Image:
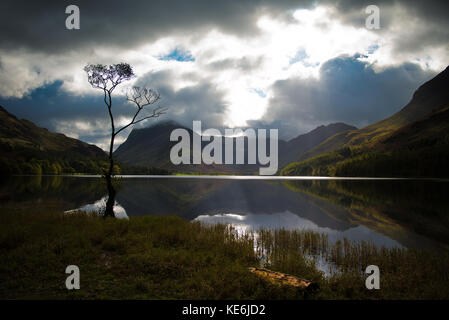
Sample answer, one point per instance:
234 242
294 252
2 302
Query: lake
412 213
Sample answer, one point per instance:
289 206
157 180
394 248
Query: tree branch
155 114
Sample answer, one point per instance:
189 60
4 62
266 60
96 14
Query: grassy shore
170 258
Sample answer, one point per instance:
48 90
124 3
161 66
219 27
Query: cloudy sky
291 65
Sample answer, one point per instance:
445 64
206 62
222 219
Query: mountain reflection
391 213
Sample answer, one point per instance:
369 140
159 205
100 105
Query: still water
390 212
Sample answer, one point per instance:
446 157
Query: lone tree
107 78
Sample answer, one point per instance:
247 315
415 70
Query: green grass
143 258
170 258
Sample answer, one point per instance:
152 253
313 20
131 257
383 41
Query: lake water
390 212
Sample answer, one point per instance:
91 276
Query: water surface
390 212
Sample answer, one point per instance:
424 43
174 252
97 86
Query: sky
290 65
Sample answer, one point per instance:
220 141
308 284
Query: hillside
293 149
29 149
432 95
412 142
419 149
151 147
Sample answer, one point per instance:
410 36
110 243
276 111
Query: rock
283 278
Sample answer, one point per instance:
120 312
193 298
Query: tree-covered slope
29 149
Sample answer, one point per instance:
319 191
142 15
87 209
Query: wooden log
283 278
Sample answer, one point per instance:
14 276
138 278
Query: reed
405 273
171 258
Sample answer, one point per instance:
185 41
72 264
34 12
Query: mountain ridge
30 149
430 96
150 146
412 142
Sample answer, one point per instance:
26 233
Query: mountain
430 96
412 142
293 149
27 148
151 147
147 146
419 149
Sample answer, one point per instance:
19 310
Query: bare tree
107 78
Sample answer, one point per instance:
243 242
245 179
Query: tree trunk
109 211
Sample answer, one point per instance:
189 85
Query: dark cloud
430 10
40 25
348 90
430 17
